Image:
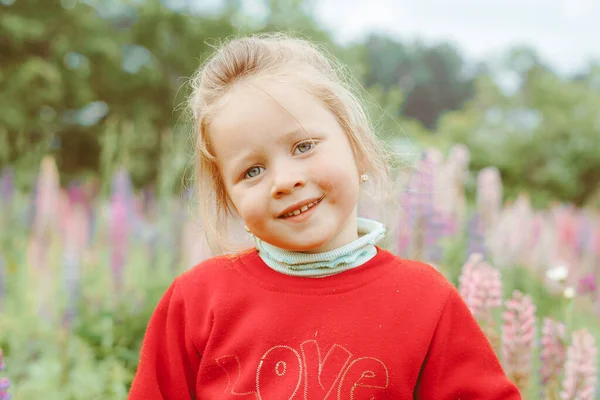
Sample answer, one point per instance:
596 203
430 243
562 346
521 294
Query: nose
286 181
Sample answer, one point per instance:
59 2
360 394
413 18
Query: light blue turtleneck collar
317 265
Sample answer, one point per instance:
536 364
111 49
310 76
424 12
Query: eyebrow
239 161
293 134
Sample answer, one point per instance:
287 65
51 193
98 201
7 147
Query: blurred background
490 107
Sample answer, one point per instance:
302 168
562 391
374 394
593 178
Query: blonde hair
268 56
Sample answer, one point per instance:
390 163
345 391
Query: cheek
337 175
251 206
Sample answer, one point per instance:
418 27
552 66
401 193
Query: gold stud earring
247 229
364 177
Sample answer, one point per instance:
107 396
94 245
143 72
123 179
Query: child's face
276 158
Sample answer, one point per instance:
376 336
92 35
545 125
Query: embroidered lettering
324 373
281 368
366 376
233 368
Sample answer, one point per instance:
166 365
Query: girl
316 310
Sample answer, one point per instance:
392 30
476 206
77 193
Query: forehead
263 111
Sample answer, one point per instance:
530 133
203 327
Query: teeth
301 209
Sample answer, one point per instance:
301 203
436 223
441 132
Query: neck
329 262
348 234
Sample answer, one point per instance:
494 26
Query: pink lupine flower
45 221
457 172
580 369
489 196
476 236
45 231
553 355
481 288
518 334
48 196
587 285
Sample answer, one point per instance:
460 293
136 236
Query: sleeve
460 362
168 359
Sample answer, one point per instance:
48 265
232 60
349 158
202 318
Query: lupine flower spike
4 382
553 354
481 287
580 369
518 333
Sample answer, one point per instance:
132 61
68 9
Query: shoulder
420 278
417 271
213 272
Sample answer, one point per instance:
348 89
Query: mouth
298 209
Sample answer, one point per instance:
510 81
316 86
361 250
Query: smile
302 209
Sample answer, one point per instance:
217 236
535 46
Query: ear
362 165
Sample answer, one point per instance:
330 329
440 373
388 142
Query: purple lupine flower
409 202
457 167
595 243
582 232
2 281
434 232
175 236
148 224
76 230
31 204
7 186
91 189
427 206
421 215
4 382
118 237
121 210
476 236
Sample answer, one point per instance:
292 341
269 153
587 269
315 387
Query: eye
304 147
253 172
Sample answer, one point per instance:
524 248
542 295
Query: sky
565 33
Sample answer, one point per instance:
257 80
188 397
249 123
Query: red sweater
232 328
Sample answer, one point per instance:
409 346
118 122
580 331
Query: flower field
81 272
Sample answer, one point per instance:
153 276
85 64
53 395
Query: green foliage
77 76
431 77
543 138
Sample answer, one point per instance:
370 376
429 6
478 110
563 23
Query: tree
433 79
544 138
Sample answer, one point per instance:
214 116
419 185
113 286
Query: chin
308 247
313 247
